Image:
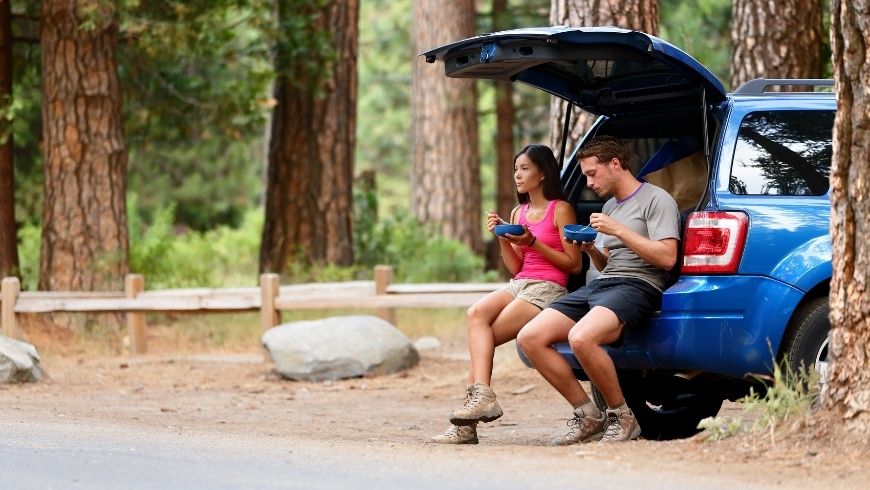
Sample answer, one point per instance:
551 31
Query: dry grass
227 332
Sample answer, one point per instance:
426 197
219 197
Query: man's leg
599 327
536 340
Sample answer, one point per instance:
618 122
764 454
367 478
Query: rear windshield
783 153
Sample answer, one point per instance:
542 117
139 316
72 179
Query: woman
540 266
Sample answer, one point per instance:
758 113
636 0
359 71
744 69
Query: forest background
198 83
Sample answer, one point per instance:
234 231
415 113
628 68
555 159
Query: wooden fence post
10 289
133 285
383 278
270 287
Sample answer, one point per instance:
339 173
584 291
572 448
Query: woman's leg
507 324
481 317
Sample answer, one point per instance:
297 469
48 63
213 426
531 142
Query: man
638 231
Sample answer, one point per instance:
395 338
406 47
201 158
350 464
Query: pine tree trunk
640 15
84 222
445 171
505 116
8 228
848 390
776 39
309 195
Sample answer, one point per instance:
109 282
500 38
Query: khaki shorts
537 292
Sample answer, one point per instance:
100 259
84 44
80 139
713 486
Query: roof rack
757 86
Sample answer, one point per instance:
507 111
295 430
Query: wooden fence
270 298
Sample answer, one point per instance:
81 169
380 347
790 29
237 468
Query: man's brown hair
605 148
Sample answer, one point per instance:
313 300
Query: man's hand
605 224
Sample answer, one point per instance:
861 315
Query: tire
666 408
806 341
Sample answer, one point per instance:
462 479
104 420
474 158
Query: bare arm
660 253
511 254
597 256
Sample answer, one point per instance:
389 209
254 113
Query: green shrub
415 251
29 239
789 396
222 257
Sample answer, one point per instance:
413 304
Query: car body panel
604 70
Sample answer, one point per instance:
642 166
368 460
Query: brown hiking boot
621 426
480 406
457 434
582 428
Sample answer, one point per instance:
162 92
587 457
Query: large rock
19 361
339 347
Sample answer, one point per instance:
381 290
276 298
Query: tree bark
776 39
84 222
848 389
505 116
309 196
8 228
639 15
445 169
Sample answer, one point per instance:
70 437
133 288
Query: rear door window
783 153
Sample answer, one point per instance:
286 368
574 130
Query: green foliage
384 102
207 182
221 257
701 28
29 239
304 47
789 395
415 251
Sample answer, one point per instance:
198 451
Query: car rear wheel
806 344
666 407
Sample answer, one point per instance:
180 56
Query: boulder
19 361
339 347
427 343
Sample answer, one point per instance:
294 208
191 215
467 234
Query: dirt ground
239 393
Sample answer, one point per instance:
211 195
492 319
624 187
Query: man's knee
579 339
529 338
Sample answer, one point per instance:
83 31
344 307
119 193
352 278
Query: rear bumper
730 325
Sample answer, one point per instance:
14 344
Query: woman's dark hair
542 157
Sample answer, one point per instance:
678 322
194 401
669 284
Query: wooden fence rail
270 298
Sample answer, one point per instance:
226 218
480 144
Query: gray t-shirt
650 212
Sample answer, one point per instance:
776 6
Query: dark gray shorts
632 300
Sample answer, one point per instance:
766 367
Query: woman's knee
474 314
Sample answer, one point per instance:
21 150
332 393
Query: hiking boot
582 428
480 406
621 426
457 434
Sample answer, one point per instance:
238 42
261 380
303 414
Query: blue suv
749 170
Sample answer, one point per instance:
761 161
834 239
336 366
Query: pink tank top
535 265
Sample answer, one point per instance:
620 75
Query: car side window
783 153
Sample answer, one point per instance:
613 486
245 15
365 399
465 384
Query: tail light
713 242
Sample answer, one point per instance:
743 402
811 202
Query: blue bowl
507 229
580 233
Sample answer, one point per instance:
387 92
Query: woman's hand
524 240
493 219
